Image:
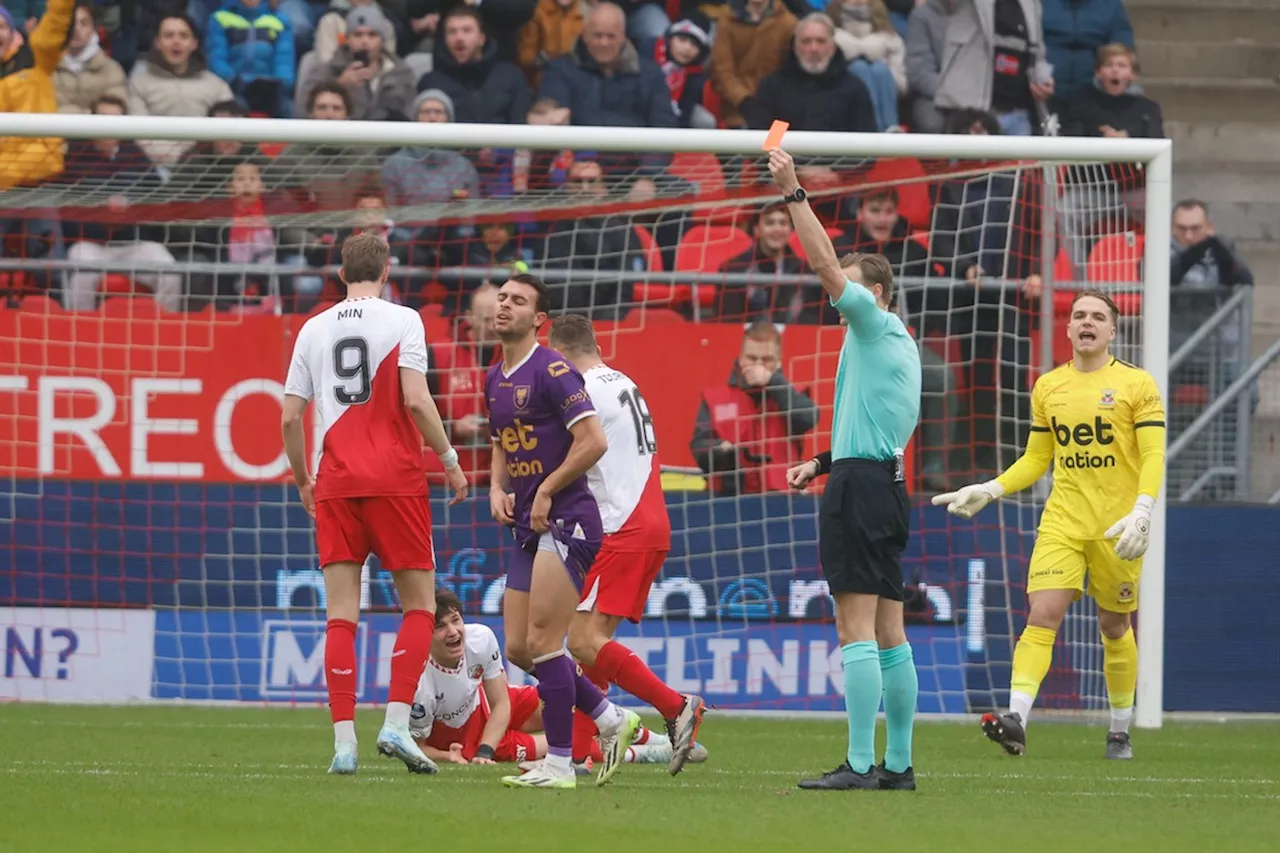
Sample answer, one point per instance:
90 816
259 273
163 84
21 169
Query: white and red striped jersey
627 481
449 696
348 359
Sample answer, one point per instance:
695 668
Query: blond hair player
1100 420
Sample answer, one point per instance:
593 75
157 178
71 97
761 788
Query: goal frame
1154 155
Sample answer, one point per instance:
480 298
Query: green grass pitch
85 779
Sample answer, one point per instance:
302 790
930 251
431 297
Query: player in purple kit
546 436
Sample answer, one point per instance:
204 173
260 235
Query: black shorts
863 526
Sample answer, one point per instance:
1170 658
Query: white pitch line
624 783
305 771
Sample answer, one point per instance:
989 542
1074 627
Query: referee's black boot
890 781
843 779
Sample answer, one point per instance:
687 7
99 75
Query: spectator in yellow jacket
27 63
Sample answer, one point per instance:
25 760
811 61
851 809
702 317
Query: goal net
153 546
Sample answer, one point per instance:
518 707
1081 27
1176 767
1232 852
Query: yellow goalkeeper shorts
1062 562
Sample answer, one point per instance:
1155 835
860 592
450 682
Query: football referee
863 522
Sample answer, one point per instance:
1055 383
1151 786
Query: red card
776 131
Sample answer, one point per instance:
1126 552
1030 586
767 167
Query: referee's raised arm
817 245
864 521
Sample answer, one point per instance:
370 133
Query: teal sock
901 687
862 689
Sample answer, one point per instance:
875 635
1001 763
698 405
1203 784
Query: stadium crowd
594 223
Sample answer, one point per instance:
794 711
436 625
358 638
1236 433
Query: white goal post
1153 157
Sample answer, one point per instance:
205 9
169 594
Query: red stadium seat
702 169
38 303
1064 272
652 251
908 176
705 248
658 293
1116 258
117 284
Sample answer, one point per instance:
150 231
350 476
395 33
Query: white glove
1134 529
968 501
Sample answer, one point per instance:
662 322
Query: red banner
132 393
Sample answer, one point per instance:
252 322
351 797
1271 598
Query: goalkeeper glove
1134 529
968 501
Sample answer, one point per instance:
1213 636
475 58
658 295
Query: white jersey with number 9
348 359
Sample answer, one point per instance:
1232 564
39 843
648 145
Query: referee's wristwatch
796 197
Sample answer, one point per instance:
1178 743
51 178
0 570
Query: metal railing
1210 441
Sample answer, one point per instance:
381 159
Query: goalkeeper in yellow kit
1101 421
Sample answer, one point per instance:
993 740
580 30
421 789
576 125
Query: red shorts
397 529
515 746
619 582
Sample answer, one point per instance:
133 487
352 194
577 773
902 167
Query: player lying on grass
627 486
546 436
1100 421
364 362
465 712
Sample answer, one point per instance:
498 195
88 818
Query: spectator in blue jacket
251 47
1073 32
604 81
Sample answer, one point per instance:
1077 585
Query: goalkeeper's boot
890 781
344 759
683 731
1118 746
843 779
395 742
542 776
1006 730
613 746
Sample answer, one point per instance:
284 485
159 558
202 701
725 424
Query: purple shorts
576 555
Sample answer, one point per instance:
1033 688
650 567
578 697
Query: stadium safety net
152 546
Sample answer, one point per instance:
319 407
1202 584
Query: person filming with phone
381 86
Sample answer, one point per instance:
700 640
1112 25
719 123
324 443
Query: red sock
619 665
340 668
409 659
584 737
593 675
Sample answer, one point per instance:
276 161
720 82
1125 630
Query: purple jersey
531 409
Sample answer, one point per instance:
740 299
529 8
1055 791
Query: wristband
485 751
823 463
449 458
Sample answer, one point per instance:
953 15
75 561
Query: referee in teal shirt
864 520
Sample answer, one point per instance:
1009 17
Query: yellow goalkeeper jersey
1098 427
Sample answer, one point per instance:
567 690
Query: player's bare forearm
422 409
295 443
498 470
589 444
817 246
1031 466
431 752
499 712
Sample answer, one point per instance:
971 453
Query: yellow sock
1120 667
1031 658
